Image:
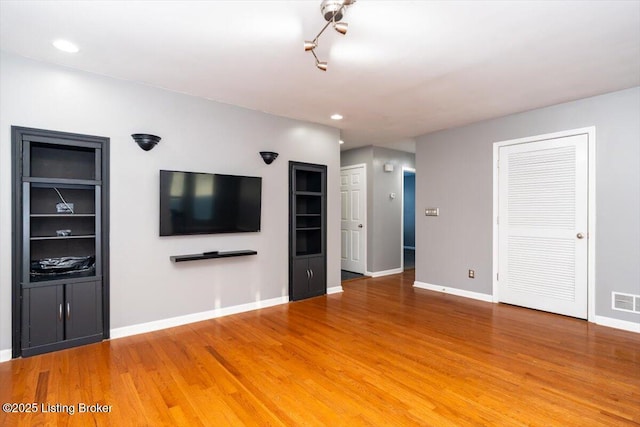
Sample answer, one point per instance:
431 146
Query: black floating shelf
210 255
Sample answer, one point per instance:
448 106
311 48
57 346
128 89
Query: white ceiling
405 68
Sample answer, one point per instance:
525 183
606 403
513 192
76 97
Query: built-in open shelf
60 215
60 279
209 255
87 236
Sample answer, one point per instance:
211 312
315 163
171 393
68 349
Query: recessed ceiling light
336 117
66 46
341 142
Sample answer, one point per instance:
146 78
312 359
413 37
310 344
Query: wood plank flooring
382 353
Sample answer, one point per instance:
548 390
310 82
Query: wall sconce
268 156
145 140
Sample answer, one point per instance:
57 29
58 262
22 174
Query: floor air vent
625 302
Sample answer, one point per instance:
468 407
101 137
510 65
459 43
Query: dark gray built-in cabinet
60 240
308 230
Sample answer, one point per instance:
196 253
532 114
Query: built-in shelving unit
307 235
211 255
60 212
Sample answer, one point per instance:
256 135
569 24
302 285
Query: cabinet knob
68 311
60 312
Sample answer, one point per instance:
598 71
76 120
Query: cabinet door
317 282
43 317
300 279
83 309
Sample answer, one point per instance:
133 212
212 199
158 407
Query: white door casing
353 181
543 230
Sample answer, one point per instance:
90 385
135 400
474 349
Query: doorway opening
408 249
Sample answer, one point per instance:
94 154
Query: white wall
197 135
454 172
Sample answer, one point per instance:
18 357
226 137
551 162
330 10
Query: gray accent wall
454 172
197 135
384 214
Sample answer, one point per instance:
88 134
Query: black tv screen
203 203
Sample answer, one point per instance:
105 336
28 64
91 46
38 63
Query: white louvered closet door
542 225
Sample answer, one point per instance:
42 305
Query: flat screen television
204 203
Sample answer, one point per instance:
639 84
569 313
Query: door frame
366 212
413 170
591 208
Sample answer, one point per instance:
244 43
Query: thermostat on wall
432 211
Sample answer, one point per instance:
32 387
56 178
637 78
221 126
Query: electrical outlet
472 274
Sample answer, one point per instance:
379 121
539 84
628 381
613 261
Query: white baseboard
195 317
618 324
599 320
384 272
5 355
453 291
334 290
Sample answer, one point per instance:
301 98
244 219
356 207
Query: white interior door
542 225
353 218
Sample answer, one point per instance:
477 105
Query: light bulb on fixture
341 27
322 65
309 45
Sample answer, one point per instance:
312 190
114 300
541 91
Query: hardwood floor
381 353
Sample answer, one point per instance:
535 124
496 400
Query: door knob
359 225
579 235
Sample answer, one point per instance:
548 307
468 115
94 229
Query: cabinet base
46 348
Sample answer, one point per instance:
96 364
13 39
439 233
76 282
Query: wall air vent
625 302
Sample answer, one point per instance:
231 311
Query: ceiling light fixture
336 117
65 46
341 142
332 11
